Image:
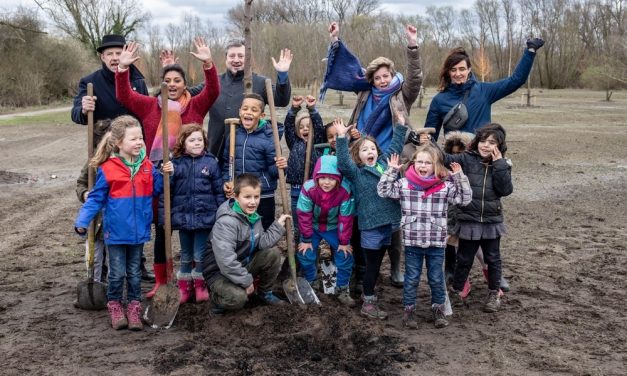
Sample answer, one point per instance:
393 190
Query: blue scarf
375 118
344 71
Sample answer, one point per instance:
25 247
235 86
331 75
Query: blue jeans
343 263
193 244
435 273
124 262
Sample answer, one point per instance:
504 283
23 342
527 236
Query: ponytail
103 152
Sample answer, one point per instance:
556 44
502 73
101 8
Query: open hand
346 249
394 161
297 101
341 129
167 57
129 55
303 247
310 101
203 53
285 60
456 168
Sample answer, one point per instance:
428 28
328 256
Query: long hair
184 133
436 157
492 129
110 140
454 57
354 149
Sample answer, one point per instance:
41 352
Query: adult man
104 104
232 90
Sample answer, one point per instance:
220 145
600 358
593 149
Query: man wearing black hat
103 103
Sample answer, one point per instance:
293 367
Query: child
325 211
480 224
240 250
196 195
125 185
424 194
255 154
297 128
376 215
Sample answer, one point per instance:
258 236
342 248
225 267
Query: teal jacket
372 211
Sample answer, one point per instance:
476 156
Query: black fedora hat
111 40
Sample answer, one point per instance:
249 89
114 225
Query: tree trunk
248 57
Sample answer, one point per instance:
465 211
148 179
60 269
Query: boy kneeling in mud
239 250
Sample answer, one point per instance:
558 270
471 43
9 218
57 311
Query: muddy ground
565 256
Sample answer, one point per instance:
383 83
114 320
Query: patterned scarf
429 185
175 109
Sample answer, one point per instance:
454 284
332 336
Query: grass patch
55 118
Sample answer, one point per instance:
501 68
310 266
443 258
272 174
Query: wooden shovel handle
232 123
310 146
91 229
167 223
291 255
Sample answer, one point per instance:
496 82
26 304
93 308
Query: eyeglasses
426 163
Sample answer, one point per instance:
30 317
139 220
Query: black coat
489 182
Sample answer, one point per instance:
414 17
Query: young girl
424 194
196 195
376 215
480 224
126 182
325 211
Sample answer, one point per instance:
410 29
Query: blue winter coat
196 189
254 154
298 146
107 106
481 95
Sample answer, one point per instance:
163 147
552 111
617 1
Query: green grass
57 118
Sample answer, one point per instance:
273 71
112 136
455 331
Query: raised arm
345 163
282 90
137 103
411 87
389 186
316 120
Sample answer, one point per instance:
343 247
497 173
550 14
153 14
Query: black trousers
466 254
374 257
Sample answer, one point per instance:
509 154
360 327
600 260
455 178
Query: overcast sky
171 11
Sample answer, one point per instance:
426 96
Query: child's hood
327 166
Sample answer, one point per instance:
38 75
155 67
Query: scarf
344 71
175 109
375 118
133 166
429 185
252 218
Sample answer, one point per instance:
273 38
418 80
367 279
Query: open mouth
247 120
370 160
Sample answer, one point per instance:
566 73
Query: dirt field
565 256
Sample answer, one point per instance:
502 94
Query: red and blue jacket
322 211
126 201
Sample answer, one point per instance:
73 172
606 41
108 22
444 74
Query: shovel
297 290
91 295
232 123
161 311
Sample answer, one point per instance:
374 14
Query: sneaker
466 290
493 302
269 298
344 297
134 313
439 319
371 310
116 312
409 317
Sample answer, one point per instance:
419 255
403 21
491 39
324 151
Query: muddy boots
409 317
439 319
184 281
116 312
134 312
371 309
161 278
200 288
396 275
344 297
493 302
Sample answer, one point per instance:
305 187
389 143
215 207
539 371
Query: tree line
586 45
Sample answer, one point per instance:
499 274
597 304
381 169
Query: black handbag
456 118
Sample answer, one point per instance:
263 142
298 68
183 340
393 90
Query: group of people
376 186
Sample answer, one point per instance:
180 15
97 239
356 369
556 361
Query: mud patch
7 177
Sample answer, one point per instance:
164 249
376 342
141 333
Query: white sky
171 11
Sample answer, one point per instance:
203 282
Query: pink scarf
429 185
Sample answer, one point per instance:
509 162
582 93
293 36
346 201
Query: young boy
255 154
325 211
239 250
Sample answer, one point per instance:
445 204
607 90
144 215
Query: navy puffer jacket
298 146
254 154
196 190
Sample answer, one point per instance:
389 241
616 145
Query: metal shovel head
91 295
299 291
161 311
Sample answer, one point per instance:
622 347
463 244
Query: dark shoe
344 297
493 303
457 300
147 276
216 309
409 317
504 284
269 298
371 309
439 319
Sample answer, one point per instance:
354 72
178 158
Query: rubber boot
184 281
161 278
396 275
200 287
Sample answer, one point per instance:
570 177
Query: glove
414 138
535 43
